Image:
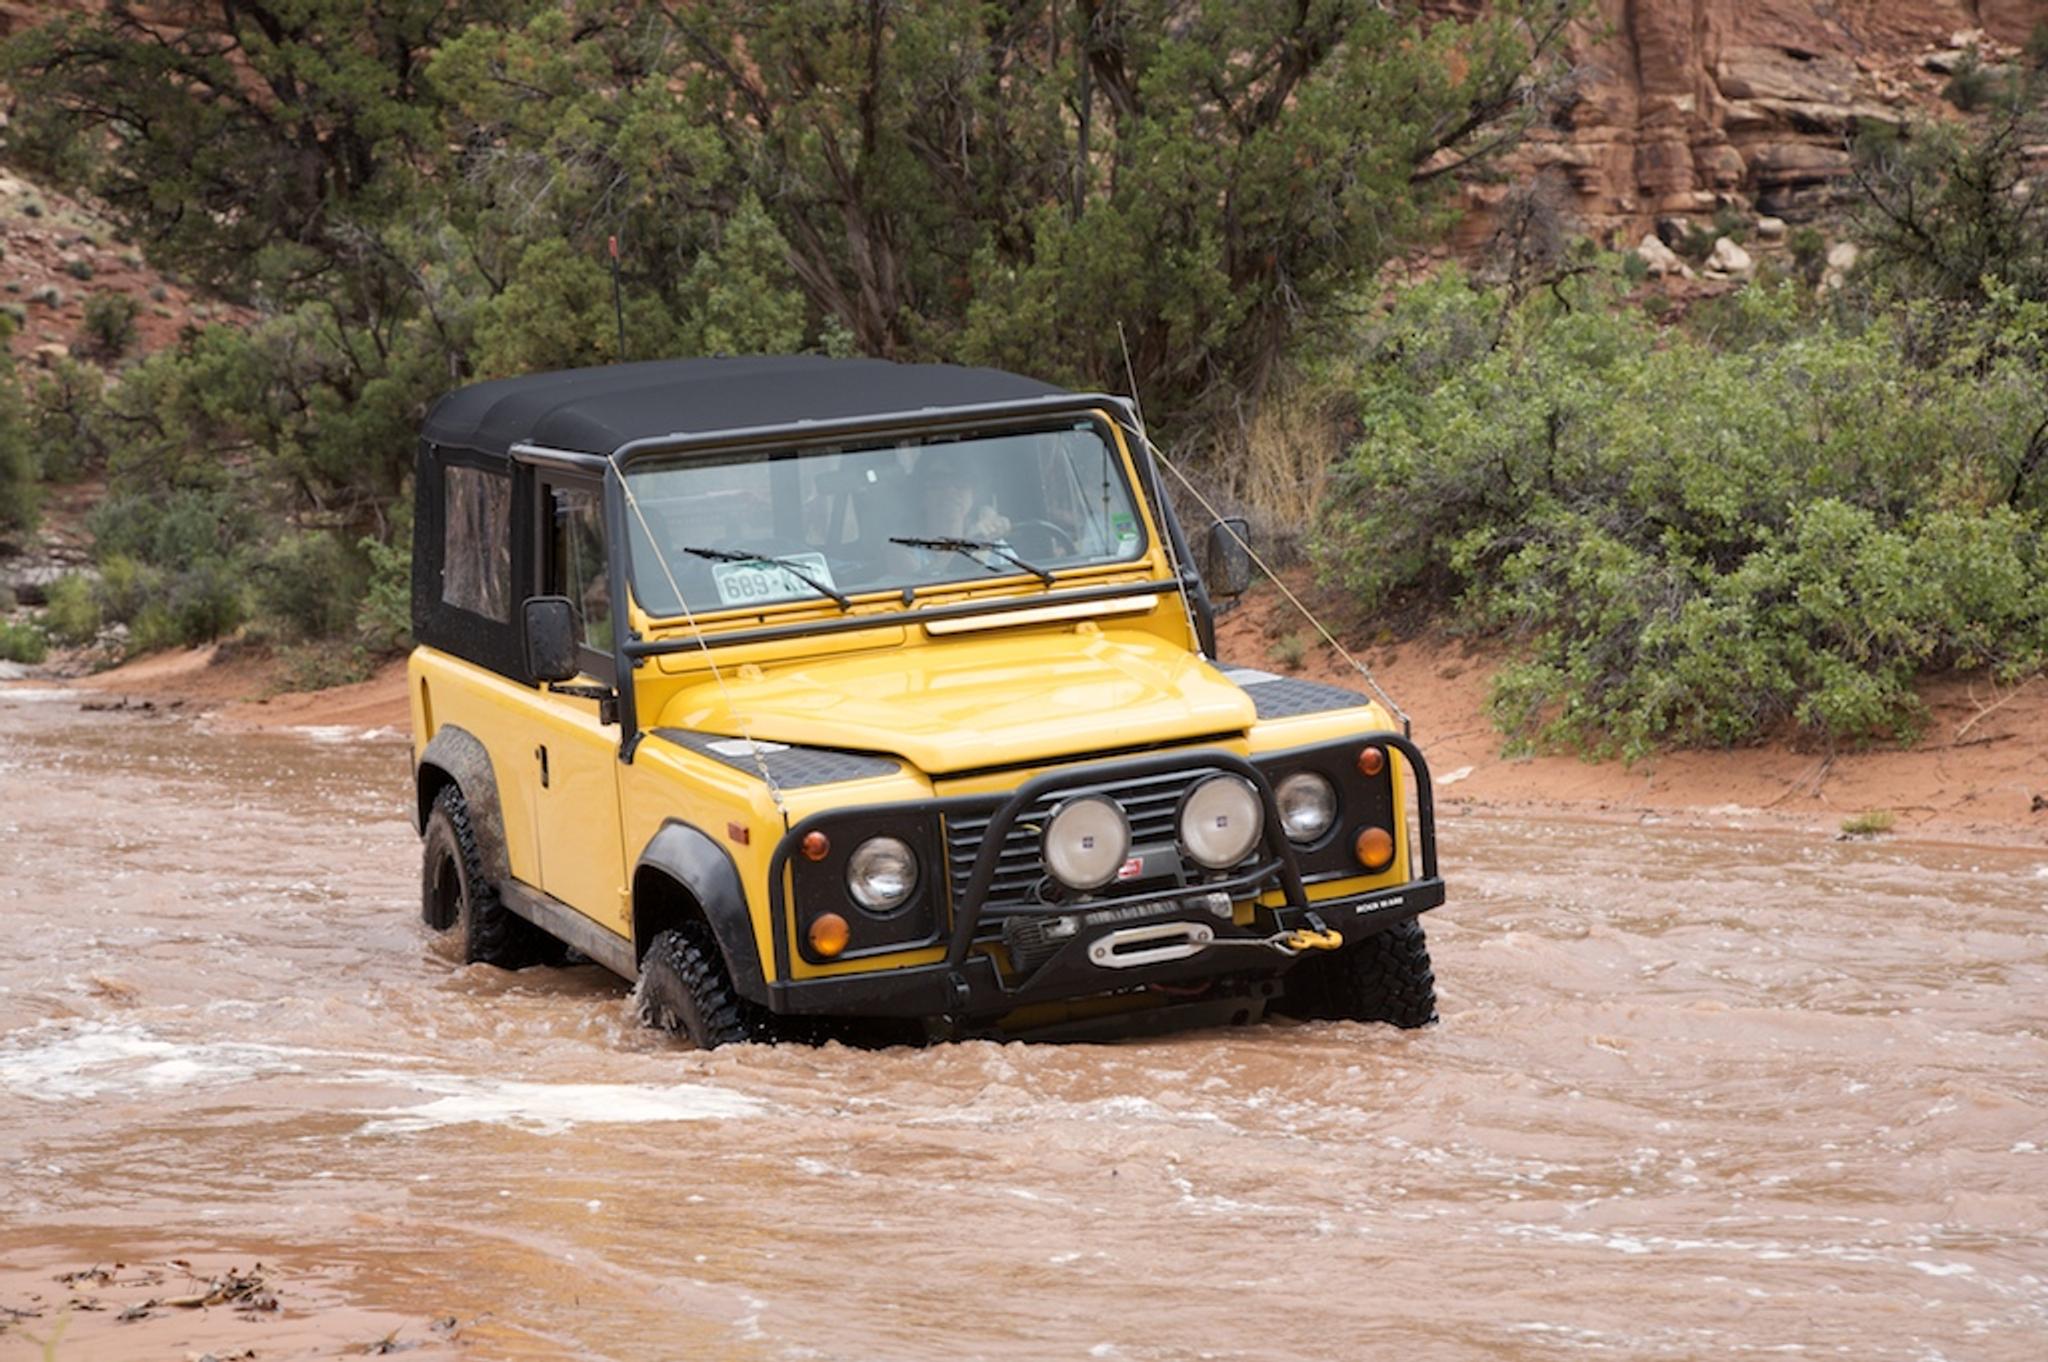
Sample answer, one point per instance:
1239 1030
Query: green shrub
174 529
22 643
310 585
198 605
79 268
1809 254
1941 213
67 416
1708 535
73 613
384 620
1970 87
164 607
125 587
110 323
19 495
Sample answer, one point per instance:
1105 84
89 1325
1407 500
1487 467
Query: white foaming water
27 693
49 1064
343 733
96 1062
551 1108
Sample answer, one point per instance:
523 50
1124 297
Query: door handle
541 753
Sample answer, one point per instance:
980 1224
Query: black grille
1148 801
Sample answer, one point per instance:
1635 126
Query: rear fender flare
457 755
702 867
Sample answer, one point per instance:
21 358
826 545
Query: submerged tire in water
454 893
685 991
1384 978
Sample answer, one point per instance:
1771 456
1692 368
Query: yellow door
575 758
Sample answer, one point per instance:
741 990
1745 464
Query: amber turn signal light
1372 761
828 934
816 846
1375 849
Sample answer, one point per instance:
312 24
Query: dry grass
1278 472
1869 823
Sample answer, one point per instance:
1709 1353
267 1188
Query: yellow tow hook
1296 942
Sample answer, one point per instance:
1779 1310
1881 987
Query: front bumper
967 984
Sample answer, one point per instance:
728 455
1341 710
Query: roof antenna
618 305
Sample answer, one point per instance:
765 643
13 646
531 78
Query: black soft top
595 411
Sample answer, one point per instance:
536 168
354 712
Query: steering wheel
1056 538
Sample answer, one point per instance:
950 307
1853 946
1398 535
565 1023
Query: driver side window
575 565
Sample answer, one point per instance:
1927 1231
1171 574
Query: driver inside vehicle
943 506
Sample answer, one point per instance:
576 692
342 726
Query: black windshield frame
789 444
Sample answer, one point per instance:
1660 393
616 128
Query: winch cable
703 646
1219 523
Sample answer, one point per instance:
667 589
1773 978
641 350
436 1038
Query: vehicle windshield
982 504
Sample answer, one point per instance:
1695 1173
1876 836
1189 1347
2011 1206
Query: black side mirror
551 653
1228 572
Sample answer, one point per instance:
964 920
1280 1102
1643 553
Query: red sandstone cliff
1684 106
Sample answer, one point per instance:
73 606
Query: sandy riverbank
1978 774
239 690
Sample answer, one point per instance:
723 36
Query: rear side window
476 572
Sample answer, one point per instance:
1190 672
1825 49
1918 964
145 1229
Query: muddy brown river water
1696 1094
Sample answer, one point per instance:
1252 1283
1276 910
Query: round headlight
1220 821
1308 805
1086 841
881 874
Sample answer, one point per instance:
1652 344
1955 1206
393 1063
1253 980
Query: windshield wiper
972 546
796 570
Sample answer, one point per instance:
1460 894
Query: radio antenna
618 302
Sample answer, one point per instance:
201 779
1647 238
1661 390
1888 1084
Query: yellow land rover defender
817 693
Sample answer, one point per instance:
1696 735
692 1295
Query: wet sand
1697 1093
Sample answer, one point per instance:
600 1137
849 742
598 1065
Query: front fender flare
702 867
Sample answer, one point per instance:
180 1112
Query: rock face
1687 106
1660 260
1729 261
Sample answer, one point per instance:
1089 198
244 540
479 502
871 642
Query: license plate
764 583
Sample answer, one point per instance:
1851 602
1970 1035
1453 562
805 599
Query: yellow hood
977 701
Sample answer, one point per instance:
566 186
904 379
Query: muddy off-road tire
685 991
455 895
1384 978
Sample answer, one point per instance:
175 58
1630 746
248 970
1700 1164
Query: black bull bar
966 984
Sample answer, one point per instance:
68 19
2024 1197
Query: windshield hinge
607 699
